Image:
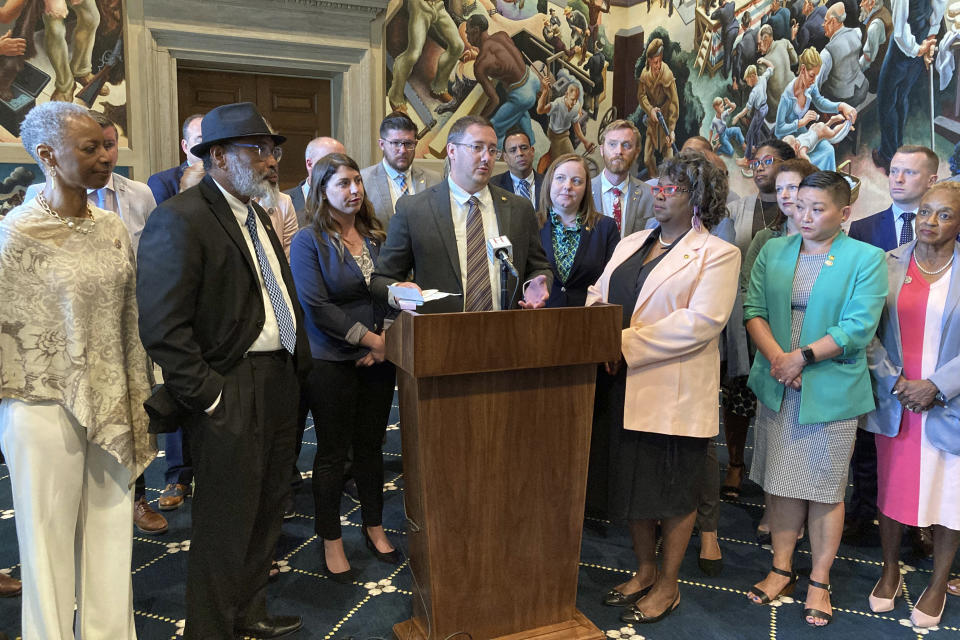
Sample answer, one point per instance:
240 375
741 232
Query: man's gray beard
248 184
863 16
270 196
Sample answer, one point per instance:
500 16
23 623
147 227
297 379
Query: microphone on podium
500 248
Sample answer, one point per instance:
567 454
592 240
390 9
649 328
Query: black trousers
242 456
863 474
353 404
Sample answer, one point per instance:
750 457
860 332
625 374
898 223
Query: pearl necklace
86 229
933 273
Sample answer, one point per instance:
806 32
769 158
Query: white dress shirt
458 210
531 187
902 36
607 197
269 338
394 187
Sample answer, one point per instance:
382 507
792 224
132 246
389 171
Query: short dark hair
186 123
784 150
478 21
460 127
101 119
397 121
707 184
516 131
831 182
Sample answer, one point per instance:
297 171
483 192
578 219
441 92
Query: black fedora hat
231 121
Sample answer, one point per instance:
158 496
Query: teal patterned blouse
566 241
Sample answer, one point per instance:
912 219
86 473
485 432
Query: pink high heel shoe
881 605
922 620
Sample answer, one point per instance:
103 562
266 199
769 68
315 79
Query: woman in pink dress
915 362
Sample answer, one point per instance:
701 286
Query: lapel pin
907 280
116 243
504 198
828 263
686 256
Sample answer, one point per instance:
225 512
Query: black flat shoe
391 557
271 627
729 491
787 590
633 614
816 613
710 568
614 598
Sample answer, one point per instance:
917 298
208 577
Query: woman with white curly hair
73 378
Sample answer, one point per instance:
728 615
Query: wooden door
298 108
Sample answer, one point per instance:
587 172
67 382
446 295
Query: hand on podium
410 285
535 294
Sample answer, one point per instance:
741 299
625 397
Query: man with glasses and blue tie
219 315
395 176
441 234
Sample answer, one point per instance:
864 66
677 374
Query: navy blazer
505 182
880 230
596 247
166 184
333 294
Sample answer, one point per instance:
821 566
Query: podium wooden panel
495 412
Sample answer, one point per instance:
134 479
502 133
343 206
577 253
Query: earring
53 178
696 219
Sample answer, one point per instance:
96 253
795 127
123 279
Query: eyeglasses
478 148
666 189
406 145
765 160
263 150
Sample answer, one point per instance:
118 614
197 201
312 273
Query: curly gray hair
47 124
707 184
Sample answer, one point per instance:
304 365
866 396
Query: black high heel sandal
816 613
730 491
391 557
786 591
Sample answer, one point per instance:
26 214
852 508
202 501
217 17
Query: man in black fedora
219 314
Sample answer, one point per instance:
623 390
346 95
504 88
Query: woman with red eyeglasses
677 285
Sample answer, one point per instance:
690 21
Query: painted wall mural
844 82
70 50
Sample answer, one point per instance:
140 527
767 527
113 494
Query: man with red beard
219 315
616 193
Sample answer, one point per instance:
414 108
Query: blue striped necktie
288 334
523 189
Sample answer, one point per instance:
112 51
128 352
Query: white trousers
74 514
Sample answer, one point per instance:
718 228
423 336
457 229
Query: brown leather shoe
9 587
173 496
147 520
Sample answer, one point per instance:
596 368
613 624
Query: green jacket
846 302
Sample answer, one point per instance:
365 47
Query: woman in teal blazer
812 307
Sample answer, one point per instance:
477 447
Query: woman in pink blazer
677 286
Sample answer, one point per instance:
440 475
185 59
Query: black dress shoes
614 598
391 557
271 627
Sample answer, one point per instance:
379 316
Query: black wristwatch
808 355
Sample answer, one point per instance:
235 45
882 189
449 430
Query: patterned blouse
68 328
566 241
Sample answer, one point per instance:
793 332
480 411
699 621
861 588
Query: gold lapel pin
686 256
907 280
504 198
116 243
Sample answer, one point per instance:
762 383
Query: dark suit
422 238
201 308
299 202
505 182
335 297
166 184
596 247
810 33
880 230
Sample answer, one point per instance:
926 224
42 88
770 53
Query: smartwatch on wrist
808 356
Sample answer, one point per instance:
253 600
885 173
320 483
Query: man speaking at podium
441 234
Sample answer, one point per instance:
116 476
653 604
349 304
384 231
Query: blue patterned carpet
381 596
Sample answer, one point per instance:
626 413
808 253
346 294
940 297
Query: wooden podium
495 414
